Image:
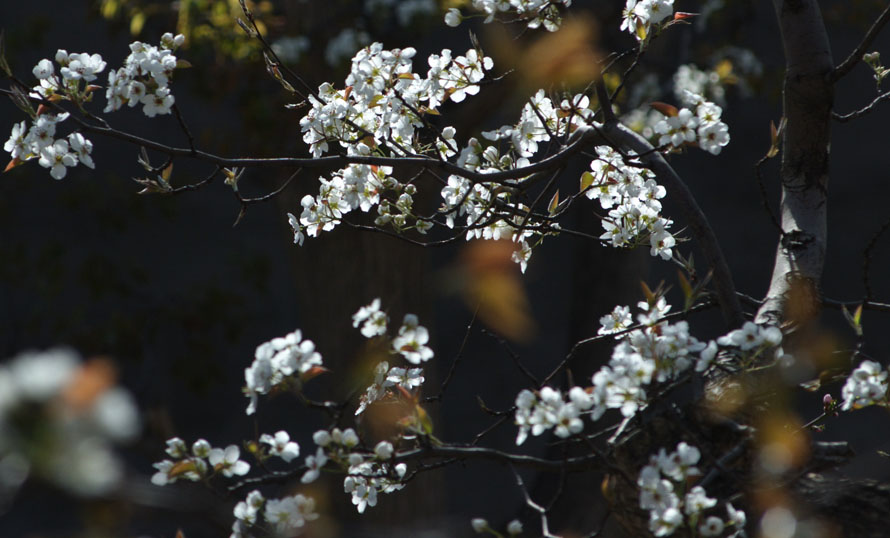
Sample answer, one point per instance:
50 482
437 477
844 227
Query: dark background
180 298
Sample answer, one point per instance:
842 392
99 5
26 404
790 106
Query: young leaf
587 180
666 109
166 172
647 292
554 202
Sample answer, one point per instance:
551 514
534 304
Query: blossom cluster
663 493
632 196
145 77
867 385
74 68
752 337
38 141
286 516
641 15
411 340
533 12
367 473
657 352
59 419
653 352
478 203
538 412
384 99
279 361
690 81
144 80
386 378
201 462
540 120
702 126
700 92
378 112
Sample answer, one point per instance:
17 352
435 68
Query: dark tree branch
850 62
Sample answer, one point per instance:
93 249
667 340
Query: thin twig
862 111
460 352
184 127
525 371
545 526
866 257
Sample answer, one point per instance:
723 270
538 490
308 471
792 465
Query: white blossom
280 445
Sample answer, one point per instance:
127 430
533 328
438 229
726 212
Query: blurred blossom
291 49
778 522
58 419
342 46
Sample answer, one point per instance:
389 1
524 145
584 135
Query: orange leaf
12 164
666 109
682 15
313 372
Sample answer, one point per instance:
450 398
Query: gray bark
807 102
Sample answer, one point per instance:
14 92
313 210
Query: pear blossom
411 341
314 464
57 158
81 66
453 17
866 385
44 69
280 445
371 318
19 144
248 509
226 461
82 148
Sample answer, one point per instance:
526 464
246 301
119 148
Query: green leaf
853 319
587 180
426 423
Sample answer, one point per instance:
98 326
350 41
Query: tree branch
850 62
862 111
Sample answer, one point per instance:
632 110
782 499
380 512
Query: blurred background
163 297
